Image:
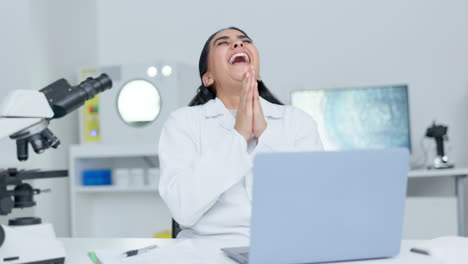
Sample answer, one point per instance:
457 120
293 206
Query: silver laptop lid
327 206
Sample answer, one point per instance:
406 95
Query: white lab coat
206 177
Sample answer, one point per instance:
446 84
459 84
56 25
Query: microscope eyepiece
63 99
95 86
104 83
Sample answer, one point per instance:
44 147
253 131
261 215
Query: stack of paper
449 250
180 252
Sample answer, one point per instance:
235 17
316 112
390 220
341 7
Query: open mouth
240 57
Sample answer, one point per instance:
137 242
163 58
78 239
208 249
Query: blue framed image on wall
359 118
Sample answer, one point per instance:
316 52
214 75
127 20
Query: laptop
315 207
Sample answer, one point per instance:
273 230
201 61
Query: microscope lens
22 149
50 138
37 143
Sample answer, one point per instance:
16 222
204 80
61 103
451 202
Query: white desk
201 251
459 175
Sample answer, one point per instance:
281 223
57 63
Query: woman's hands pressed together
250 119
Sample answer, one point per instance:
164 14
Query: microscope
24 117
439 133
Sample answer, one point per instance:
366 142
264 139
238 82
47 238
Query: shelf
89 150
438 173
117 189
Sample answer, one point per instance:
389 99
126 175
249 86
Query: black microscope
439 133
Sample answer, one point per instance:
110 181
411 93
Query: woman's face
231 54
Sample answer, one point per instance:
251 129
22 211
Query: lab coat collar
216 107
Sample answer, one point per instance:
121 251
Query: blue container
97 177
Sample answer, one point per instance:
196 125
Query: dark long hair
204 94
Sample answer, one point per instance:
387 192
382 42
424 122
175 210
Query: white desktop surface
201 251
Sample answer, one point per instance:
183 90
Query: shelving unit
459 176
138 211
116 189
115 211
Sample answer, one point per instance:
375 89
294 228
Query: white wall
63 41
47 40
317 44
323 44
14 67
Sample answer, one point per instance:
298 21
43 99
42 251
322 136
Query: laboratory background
398 69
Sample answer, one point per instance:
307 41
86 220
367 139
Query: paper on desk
449 250
183 251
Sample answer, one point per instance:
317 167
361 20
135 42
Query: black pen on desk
135 252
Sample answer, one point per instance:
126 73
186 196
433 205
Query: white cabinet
111 210
432 190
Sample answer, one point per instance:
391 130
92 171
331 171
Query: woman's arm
191 182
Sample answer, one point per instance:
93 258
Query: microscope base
32 244
441 162
450 166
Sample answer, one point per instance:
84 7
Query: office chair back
175 228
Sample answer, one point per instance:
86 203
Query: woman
206 150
